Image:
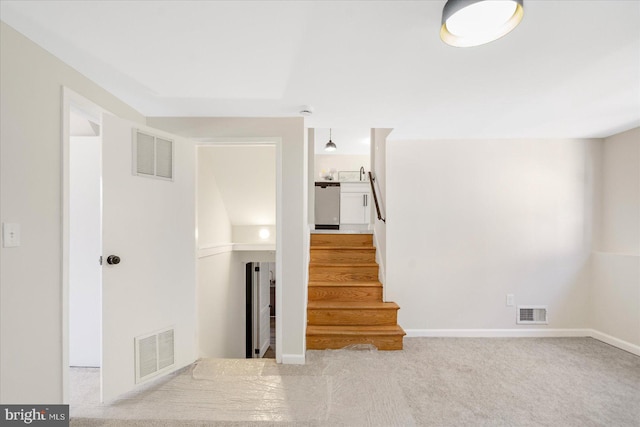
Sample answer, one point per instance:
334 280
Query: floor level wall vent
155 353
532 315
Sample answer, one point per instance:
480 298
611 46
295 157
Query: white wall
471 221
294 249
84 250
338 162
621 193
251 234
246 179
616 260
254 256
220 292
221 306
214 226
616 296
379 168
31 194
311 176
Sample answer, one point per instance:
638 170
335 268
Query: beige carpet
433 382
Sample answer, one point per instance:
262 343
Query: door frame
258 142
69 100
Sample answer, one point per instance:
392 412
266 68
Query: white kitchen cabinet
355 203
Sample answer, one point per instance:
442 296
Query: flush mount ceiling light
330 145
306 110
264 233
467 23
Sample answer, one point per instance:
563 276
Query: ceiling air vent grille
155 353
152 156
532 315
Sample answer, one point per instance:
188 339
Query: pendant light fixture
330 145
467 23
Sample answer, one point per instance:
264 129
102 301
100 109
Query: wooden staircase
345 297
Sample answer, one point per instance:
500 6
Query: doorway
260 310
157 271
276 232
84 242
237 245
82 213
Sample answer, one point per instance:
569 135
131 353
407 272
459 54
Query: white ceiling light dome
306 110
467 23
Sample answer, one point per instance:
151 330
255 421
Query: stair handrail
375 197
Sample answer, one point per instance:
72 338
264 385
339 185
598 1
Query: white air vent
154 354
152 156
532 315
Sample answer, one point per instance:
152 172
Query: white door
264 320
149 223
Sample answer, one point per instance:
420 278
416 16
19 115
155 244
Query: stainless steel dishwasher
327 207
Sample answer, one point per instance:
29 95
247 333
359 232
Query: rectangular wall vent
152 156
154 354
532 315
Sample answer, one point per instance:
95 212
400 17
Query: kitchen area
342 191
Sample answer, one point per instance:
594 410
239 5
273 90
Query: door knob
113 259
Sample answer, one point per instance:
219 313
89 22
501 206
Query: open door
264 297
148 255
258 320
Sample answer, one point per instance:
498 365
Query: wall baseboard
524 333
616 342
497 333
293 359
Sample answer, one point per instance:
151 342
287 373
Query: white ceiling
246 178
571 69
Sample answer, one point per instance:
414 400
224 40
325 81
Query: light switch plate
511 300
10 235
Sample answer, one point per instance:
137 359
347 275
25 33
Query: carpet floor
432 382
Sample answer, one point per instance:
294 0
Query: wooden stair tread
343 264
355 330
318 283
342 256
341 239
351 305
